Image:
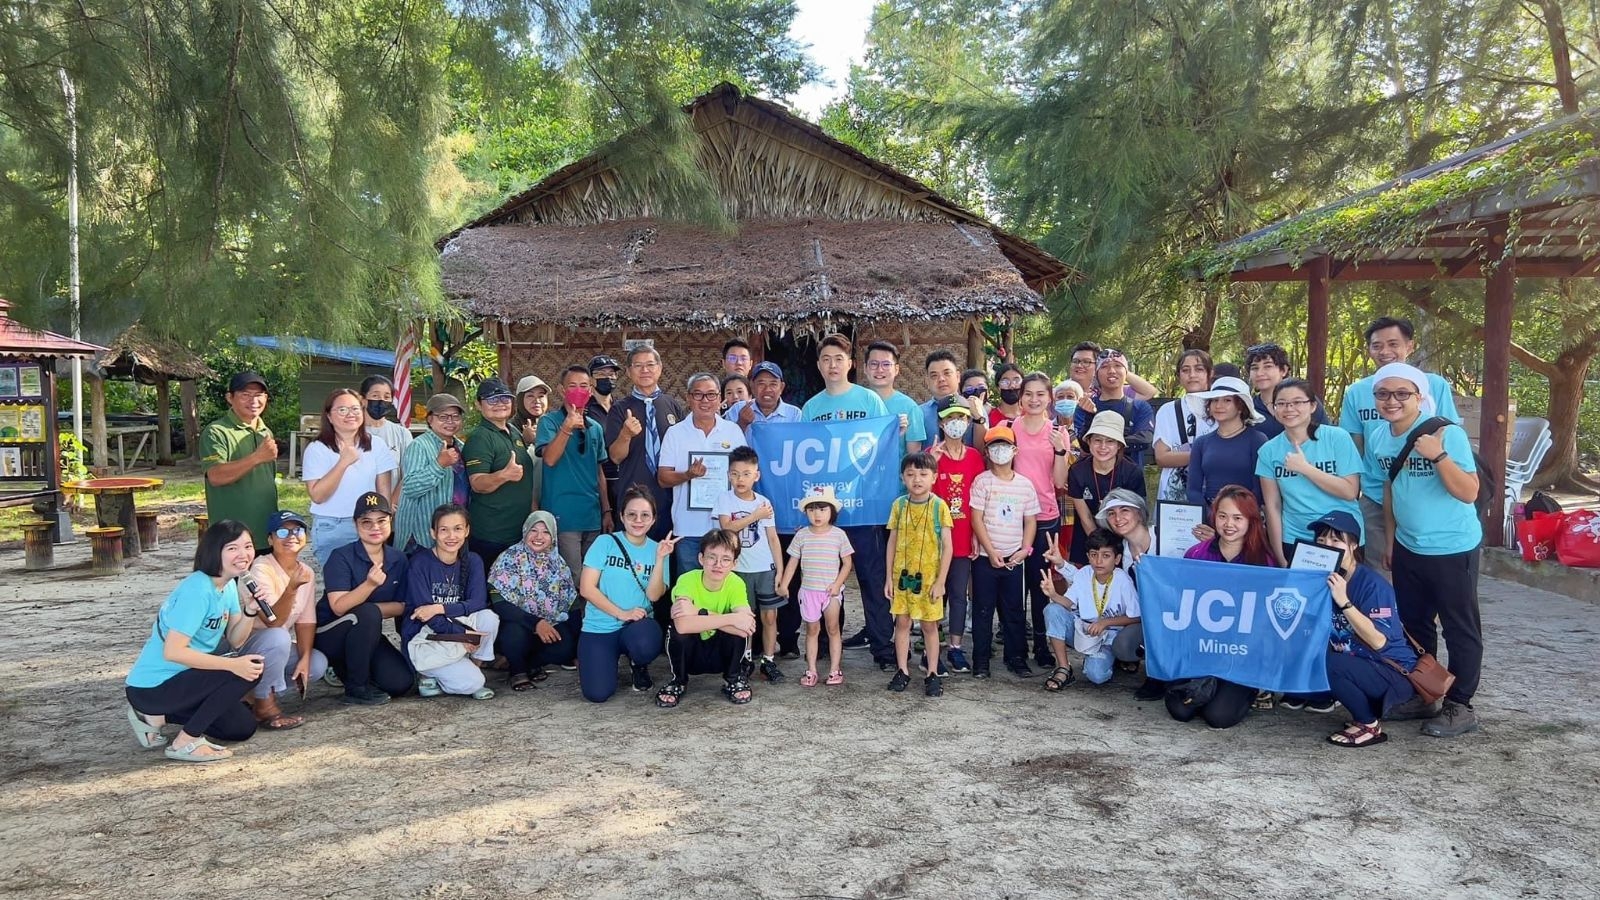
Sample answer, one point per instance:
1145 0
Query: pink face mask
577 398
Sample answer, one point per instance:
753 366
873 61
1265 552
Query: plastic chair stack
1530 441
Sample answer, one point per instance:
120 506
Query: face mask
379 409
1066 409
956 429
1001 454
604 386
1009 396
577 397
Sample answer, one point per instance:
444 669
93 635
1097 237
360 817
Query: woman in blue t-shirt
1368 654
624 572
1305 471
1228 454
179 678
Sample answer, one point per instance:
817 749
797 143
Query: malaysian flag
403 352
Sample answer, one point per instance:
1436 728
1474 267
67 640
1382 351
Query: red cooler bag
1536 537
1578 543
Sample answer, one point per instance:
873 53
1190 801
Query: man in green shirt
240 460
711 623
498 471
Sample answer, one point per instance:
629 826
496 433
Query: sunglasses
283 534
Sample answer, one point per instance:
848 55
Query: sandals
148 736
738 691
278 720
191 752
1264 700
669 695
521 682
1358 735
835 677
809 679
539 674
1059 679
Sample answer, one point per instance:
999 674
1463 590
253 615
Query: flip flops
148 736
186 753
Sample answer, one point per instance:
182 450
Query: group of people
560 533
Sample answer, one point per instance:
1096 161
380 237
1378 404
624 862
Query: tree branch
1422 298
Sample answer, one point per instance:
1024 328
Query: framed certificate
1314 557
1175 523
704 491
29 382
8 381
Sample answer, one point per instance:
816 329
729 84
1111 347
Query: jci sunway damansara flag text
1252 625
855 456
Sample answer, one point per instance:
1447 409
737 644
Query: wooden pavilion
1521 207
824 238
148 360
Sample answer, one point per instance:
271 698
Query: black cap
372 501
493 387
244 379
603 362
1339 521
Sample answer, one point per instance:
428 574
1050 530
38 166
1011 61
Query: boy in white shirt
749 515
1099 614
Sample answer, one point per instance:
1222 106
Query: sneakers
1292 701
1454 720
899 682
364 696
569 667
856 641
1152 689
483 693
770 670
641 679
1322 707
942 670
789 654
980 671
428 687
958 660
931 686
1415 708
331 678
1019 669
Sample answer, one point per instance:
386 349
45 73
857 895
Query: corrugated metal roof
304 346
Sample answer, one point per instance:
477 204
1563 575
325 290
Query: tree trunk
188 396
1560 468
1555 29
1199 336
163 421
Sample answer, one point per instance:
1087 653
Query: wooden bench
38 551
105 550
149 528
201 523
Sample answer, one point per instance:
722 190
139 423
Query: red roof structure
18 339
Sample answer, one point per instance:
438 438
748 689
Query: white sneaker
428 687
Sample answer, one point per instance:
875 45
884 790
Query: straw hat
822 493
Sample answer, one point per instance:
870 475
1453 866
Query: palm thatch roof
821 231
140 355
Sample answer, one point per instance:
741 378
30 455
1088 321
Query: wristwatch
1344 608
1443 455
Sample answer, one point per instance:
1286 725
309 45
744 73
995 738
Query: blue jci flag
1252 625
855 457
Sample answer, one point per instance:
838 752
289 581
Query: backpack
1541 502
1486 483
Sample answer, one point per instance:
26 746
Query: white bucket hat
1226 386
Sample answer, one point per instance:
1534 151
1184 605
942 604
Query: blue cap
768 368
276 520
1339 521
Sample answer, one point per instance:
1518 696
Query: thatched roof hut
146 359
824 238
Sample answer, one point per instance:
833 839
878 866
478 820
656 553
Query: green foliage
73 456
280 370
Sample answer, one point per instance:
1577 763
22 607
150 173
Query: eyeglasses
1011 382
718 561
1290 404
1080 362
705 395
346 410
447 417
638 516
737 358
496 401
1386 396
284 534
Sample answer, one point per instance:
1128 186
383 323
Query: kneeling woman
178 677
449 630
536 595
624 572
1368 654
365 583
711 623
1241 538
285 643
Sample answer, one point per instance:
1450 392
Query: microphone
248 582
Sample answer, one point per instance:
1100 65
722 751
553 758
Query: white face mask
956 429
1001 454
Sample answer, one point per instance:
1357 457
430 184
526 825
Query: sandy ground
995 790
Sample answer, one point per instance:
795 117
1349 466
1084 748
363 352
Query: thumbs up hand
632 425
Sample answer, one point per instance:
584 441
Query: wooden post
189 399
105 549
1499 299
1317 289
97 425
163 421
149 529
976 358
38 552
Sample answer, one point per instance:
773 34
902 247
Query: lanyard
1101 599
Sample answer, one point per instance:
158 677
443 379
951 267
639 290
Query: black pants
361 655
719 654
1034 569
1224 710
1000 589
488 552
1446 587
870 543
206 702
519 643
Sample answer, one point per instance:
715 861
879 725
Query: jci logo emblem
1287 606
863 450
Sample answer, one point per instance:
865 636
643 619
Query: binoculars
910 583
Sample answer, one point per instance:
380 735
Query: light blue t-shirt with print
620 583
195 608
916 429
1333 451
1358 414
1428 520
855 403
